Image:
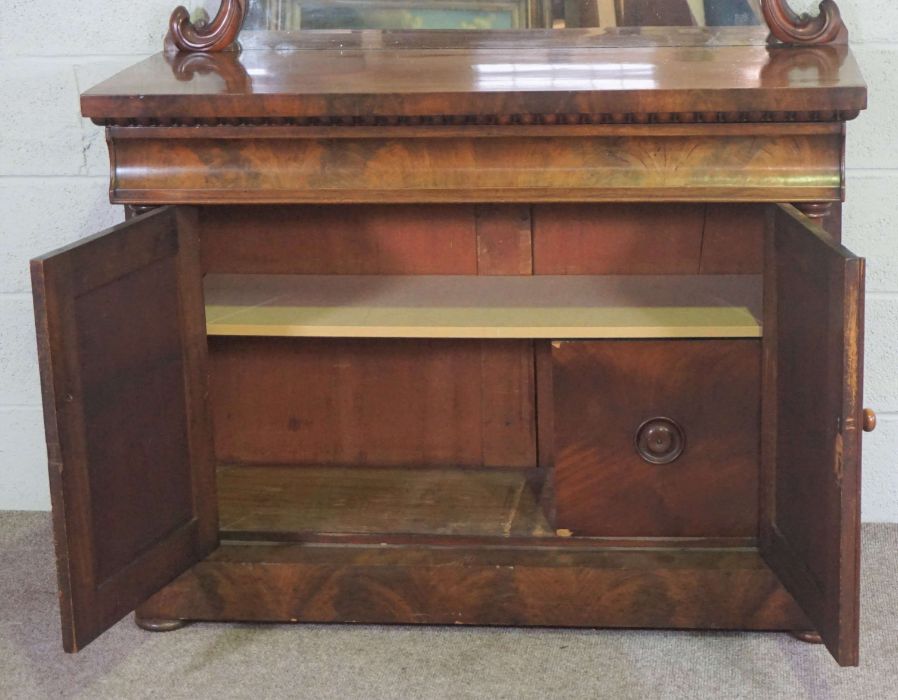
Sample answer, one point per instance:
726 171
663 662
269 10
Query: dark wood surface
666 588
788 26
810 522
121 341
467 239
605 162
473 79
346 240
506 154
612 239
290 501
733 240
373 402
604 391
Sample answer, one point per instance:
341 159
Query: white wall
53 180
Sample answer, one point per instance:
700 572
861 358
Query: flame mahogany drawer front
657 438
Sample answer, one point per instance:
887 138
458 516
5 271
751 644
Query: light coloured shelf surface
464 306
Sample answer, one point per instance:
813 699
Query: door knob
660 441
869 420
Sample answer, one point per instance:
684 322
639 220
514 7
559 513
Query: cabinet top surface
425 73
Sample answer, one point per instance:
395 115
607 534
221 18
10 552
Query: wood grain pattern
368 402
604 391
483 155
655 163
616 239
504 240
508 384
668 588
813 418
344 240
483 307
122 351
394 74
791 28
733 239
217 35
274 502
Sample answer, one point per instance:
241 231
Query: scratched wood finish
473 79
121 341
751 163
604 391
279 502
504 239
372 402
668 588
810 524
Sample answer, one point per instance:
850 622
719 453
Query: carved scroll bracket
221 33
789 27
218 35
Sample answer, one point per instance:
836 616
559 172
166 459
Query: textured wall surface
53 184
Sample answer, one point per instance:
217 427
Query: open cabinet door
122 348
810 505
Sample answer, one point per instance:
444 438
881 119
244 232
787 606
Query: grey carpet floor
342 661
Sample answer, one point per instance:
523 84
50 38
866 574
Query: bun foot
808 637
154 625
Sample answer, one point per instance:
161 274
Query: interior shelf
366 500
468 306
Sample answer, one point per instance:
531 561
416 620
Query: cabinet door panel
813 335
122 347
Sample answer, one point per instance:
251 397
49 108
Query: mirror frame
786 26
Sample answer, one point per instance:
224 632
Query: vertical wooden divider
508 396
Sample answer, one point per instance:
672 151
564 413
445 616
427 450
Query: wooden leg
155 625
808 636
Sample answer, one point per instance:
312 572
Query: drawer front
657 438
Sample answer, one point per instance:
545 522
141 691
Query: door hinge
838 466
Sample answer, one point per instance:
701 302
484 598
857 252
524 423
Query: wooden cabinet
385 350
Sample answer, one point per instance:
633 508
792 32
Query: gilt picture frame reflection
296 15
678 13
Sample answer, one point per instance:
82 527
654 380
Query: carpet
343 661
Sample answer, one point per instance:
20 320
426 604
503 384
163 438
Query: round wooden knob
660 441
869 420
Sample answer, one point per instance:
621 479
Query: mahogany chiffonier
517 327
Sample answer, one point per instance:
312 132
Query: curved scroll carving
791 28
217 35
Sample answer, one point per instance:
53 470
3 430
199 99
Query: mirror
295 15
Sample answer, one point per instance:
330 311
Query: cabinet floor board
365 500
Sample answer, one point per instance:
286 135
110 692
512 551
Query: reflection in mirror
295 15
